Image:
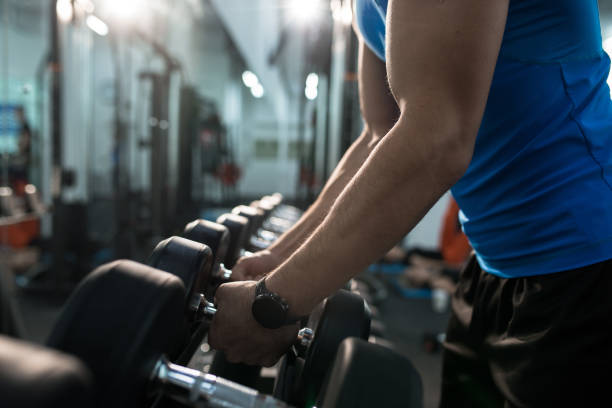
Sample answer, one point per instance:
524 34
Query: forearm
348 166
398 183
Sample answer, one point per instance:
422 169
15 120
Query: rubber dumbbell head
120 322
32 376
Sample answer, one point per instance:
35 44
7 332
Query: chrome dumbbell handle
194 388
223 273
202 307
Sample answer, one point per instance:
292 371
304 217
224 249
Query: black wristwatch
269 309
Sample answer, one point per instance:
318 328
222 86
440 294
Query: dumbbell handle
205 309
194 387
202 307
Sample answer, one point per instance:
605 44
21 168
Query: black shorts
540 341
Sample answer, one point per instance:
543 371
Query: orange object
454 244
21 233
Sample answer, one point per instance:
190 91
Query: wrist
297 297
270 309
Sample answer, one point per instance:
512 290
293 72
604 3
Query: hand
235 331
255 266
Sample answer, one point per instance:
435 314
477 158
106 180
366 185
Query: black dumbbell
238 227
217 237
33 376
368 375
262 228
302 373
276 220
254 215
121 321
192 263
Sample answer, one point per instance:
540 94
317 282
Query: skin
418 141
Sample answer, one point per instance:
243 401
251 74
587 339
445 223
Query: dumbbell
274 222
120 322
33 376
191 261
226 246
217 237
302 373
255 233
366 375
238 227
283 211
265 224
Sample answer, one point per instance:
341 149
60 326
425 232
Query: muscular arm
441 57
380 112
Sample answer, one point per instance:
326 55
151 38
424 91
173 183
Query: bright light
249 79
341 11
96 25
311 93
124 9
304 10
312 80
64 10
86 5
257 91
312 83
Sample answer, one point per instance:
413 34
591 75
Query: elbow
372 136
454 164
455 150
447 146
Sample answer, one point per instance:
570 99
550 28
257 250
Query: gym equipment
8 204
120 322
302 372
192 263
32 376
238 229
254 215
366 375
32 201
216 236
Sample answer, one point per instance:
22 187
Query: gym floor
406 321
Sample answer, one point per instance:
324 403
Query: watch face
268 312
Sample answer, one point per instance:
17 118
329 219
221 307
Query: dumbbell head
189 260
238 229
212 234
263 205
275 199
119 321
360 368
32 376
338 317
254 215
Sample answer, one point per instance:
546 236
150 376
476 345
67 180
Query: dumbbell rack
124 317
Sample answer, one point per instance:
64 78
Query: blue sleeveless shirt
537 196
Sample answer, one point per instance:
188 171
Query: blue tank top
537 196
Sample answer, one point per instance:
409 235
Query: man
506 102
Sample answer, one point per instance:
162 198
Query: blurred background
122 120
131 117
